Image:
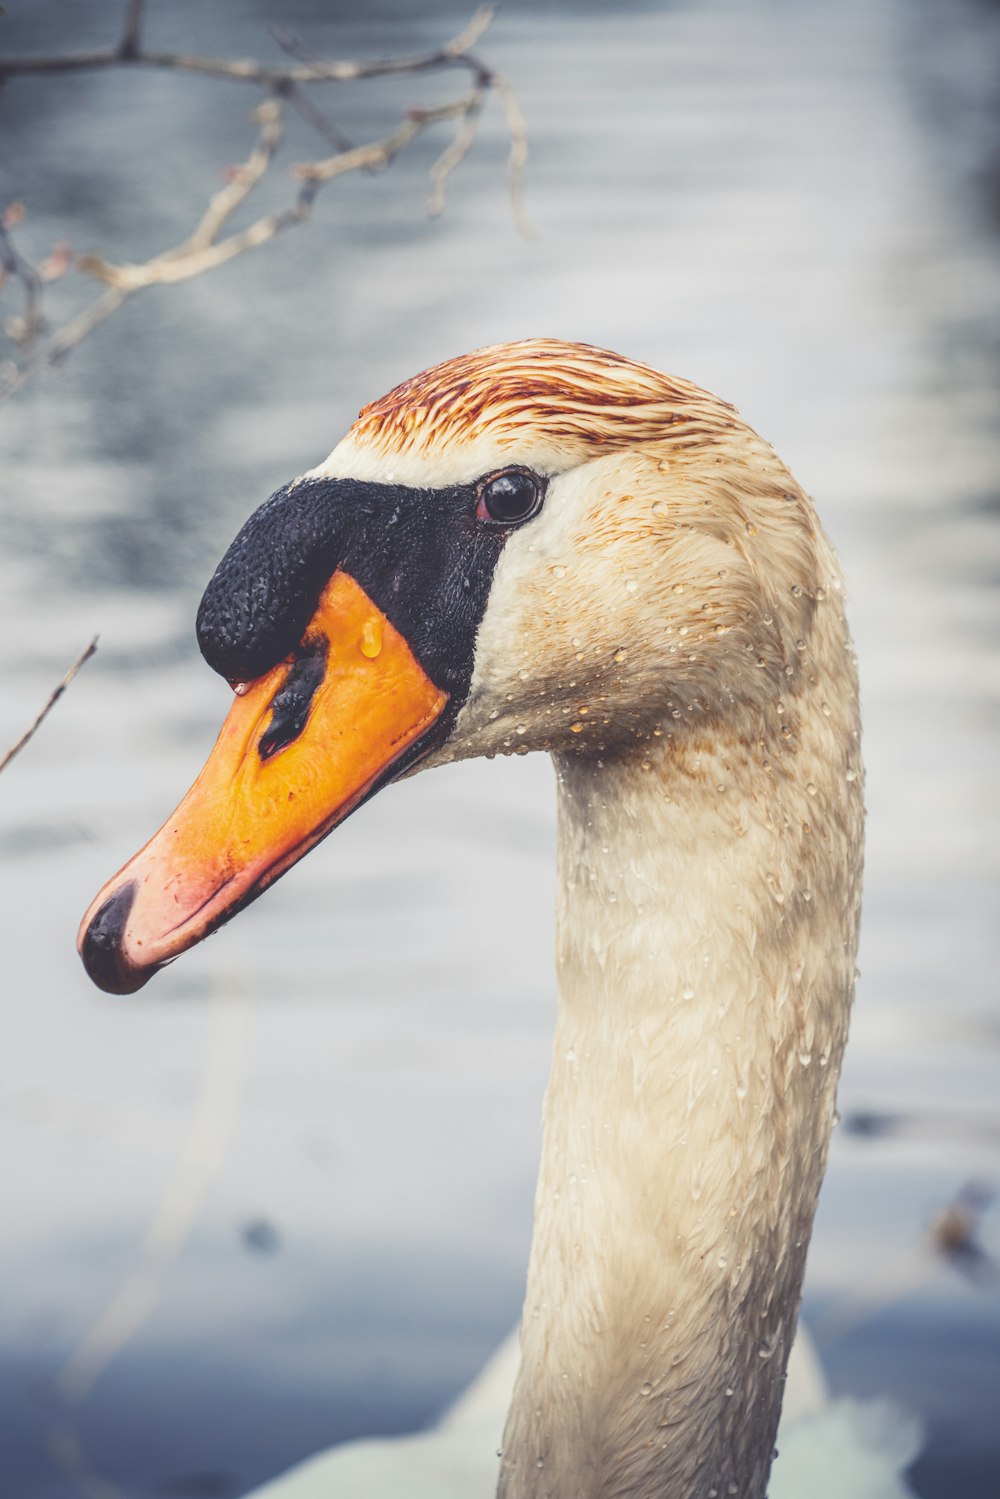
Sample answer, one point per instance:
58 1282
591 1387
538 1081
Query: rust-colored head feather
573 396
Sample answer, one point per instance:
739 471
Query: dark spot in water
260 1236
291 704
870 1124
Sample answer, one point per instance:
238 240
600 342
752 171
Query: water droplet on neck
631 586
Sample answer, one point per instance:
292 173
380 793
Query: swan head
537 546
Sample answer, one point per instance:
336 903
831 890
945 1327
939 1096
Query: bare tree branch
246 69
207 247
54 697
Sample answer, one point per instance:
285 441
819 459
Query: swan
548 546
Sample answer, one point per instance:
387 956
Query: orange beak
300 748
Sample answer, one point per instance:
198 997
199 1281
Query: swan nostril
290 706
101 946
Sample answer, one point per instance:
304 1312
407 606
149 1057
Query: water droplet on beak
371 638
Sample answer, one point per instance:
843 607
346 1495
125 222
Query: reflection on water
795 206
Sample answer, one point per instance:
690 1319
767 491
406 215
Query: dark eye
509 497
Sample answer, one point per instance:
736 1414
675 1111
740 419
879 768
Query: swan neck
706 925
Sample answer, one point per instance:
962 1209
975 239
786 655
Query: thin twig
76 330
242 183
54 697
378 154
518 132
14 264
452 155
314 116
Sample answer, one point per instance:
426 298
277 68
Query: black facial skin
421 555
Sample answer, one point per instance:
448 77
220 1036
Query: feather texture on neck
707 920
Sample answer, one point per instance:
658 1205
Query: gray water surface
329 1113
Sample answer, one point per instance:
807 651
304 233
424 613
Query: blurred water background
316 1136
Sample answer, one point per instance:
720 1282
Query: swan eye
510 497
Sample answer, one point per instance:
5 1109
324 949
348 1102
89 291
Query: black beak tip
101 946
